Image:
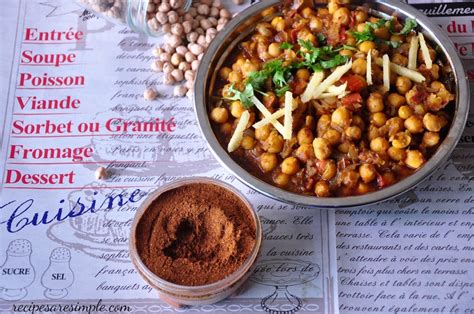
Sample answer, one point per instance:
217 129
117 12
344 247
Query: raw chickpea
378 119
367 172
414 159
395 100
403 84
323 123
219 115
354 132
359 66
329 170
268 162
379 144
303 74
263 132
342 16
305 136
397 154
367 45
432 122
332 136
405 112
401 140
235 77
274 143
322 189
430 139
226 128
322 148
375 102
274 49
248 142
236 109
304 152
290 166
414 124
360 16
278 23
281 179
341 117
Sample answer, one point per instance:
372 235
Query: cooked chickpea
401 140
281 179
432 122
396 100
367 172
248 67
323 123
359 66
419 109
304 152
341 117
414 159
263 132
278 23
290 166
235 77
388 178
414 124
382 32
342 16
322 148
379 144
226 128
305 136
399 59
346 52
375 102
332 136
307 12
403 84
350 178
430 139
360 16
367 45
432 53
315 24
354 132
397 154
219 115
405 112
274 143
329 170
303 74
224 73
248 142
358 121
274 49
378 119
363 188
268 162
322 189
236 109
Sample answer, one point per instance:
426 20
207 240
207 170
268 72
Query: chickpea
236 109
274 143
419 110
397 154
274 49
361 27
248 67
350 178
363 188
394 125
305 136
382 32
323 123
367 172
403 84
375 102
344 147
414 124
354 132
303 74
400 59
226 128
290 166
398 38
235 77
432 122
367 45
224 73
346 52
430 139
373 132
410 97
315 24
342 16
401 140
432 53
341 117
414 159
268 162
248 142
358 121
307 12
405 112
329 170
379 144
322 148
388 178
378 119
361 16
359 66
219 115
238 64
333 136
396 100
278 23
304 152
263 132
281 179
322 189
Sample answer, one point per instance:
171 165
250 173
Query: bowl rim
429 29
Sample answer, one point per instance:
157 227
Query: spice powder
195 234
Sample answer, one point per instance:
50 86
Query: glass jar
179 295
140 15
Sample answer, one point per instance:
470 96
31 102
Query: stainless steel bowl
244 23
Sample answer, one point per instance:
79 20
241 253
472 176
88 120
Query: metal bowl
244 23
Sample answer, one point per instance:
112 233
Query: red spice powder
195 234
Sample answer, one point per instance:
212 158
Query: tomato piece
351 99
355 82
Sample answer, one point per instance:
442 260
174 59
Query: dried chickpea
379 144
304 152
414 159
353 132
322 189
403 84
359 66
290 166
342 16
414 124
341 117
396 100
236 109
397 154
432 122
430 139
367 45
375 102
378 119
361 27
219 115
329 170
322 148
305 136
248 142
405 112
367 172
263 132
268 162
401 140
281 179
274 49
274 143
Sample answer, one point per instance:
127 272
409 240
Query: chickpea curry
331 101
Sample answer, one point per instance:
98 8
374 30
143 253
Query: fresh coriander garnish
410 24
245 96
286 45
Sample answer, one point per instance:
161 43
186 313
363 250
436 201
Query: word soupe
24 214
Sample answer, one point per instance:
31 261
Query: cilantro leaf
376 25
334 62
245 96
410 24
321 38
286 45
